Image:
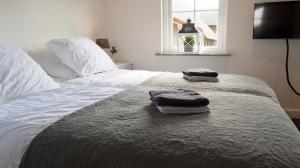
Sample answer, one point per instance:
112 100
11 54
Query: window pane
183 5
205 15
209 17
207 23
207 4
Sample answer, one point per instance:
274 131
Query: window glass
205 15
183 5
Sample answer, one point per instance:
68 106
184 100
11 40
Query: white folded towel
182 110
201 78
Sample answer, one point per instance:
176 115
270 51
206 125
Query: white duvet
120 78
22 119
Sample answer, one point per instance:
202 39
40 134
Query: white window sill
193 54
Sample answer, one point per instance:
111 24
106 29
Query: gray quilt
227 83
126 131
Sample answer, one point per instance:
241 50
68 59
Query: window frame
167 25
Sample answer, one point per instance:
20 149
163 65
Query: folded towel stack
179 101
201 75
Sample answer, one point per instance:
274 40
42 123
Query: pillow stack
82 55
20 75
179 101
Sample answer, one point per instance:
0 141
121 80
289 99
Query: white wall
134 26
31 23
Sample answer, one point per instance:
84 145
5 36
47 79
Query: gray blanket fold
126 131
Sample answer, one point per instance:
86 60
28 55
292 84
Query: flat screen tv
277 20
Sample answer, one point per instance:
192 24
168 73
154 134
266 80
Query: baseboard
293 113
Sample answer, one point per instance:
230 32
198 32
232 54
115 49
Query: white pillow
20 75
52 65
82 55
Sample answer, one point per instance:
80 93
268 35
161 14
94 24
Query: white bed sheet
22 119
120 78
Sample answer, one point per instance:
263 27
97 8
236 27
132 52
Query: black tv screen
277 20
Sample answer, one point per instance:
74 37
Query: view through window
205 15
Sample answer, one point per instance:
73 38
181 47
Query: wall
135 28
31 23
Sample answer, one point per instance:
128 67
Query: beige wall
31 23
135 28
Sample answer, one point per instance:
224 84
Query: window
209 17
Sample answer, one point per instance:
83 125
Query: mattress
22 119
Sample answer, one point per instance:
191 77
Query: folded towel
183 98
155 93
200 78
182 110
179 101
201 72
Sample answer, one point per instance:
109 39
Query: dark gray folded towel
156 93
182 98
201 72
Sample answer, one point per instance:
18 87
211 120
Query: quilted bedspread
244 129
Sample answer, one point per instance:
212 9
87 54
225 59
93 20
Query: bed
246 128
102 116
